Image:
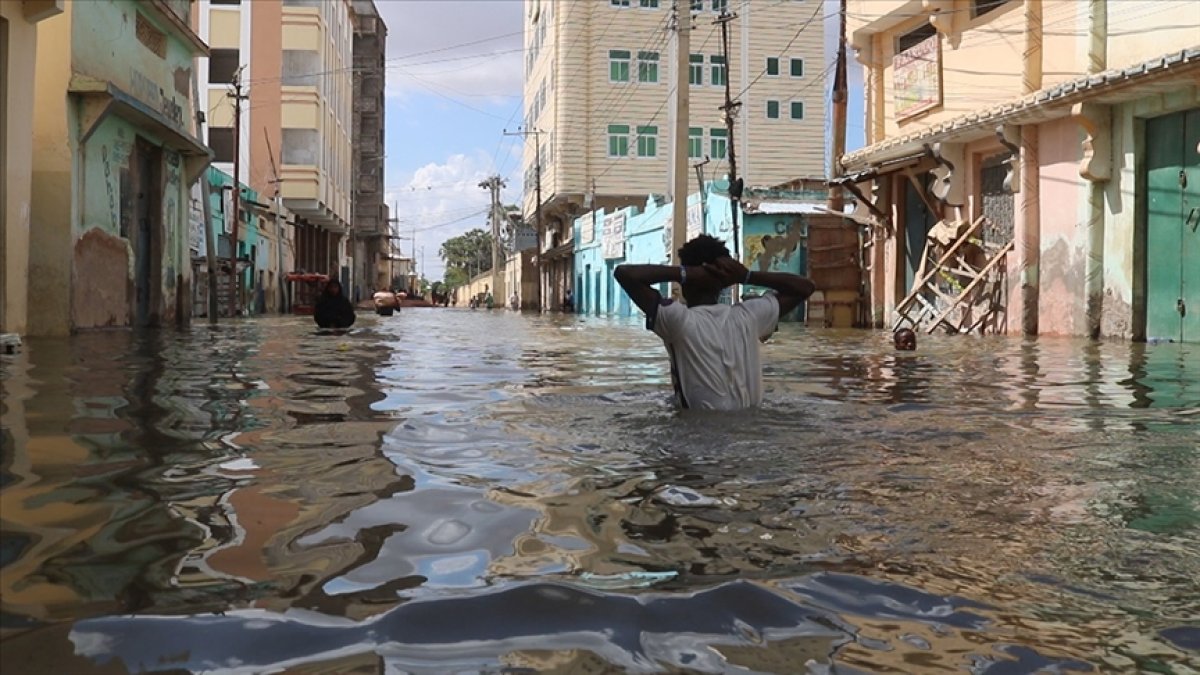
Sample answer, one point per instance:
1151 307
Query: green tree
470 252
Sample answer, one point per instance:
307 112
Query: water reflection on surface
470 490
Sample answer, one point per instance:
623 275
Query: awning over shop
1107 88
101 99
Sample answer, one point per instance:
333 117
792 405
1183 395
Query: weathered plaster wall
18 86
52 204
158 73
1064 225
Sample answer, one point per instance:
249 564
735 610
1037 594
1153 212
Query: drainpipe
1097 143
1029 239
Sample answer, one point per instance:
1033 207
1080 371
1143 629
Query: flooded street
447 490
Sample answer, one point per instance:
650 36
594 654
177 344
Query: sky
454 81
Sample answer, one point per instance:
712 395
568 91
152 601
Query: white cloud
442 200
473 55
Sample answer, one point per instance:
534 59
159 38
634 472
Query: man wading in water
714 348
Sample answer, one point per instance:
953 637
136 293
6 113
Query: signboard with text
587 230
612 239
917 77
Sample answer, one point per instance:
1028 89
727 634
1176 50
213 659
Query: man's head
334 287
905 340
703 250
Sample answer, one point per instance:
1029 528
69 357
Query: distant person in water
333 308
905 340
713 348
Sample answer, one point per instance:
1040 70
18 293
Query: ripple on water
485 490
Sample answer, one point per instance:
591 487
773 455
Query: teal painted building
773 233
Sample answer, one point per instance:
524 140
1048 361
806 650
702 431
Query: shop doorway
147 234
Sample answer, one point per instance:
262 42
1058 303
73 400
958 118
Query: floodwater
448 490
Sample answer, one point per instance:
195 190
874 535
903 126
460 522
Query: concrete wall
1064 231
84 249
53 211
17 84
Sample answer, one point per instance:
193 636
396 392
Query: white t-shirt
714 350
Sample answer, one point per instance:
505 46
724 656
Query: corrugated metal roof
1025 109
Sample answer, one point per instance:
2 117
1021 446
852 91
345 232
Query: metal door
1173 227
917 221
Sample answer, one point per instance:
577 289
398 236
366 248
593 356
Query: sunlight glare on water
446 489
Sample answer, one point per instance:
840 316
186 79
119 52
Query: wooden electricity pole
840 97
235 299
730 109
537 140
681 29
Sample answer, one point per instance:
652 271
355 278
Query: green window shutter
772 65
797 110
773 110
618 140
695 142
618 65
647 145
648 66
797 67
718 69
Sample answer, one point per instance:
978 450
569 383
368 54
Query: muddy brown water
447 490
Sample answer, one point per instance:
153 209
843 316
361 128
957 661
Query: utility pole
234 286
730 110
494 184
210 244
840 97
392 235
699 167
681 29
537 139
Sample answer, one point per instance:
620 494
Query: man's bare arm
790 289
639 282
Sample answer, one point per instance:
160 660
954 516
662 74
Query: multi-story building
1072 126
115 154
370 227
293 61
598 82
18 56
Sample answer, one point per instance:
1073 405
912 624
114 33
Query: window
299 67
222 64
618 65
718 70
618 140
648 4
720 6
300 147
647 141
619 3
695 142
697 6
220 139
797 110
915 37
772 65
772 110
226 2
981 7
647 66
718 143
696 69
797 67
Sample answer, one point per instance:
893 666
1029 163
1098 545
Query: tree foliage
466 255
